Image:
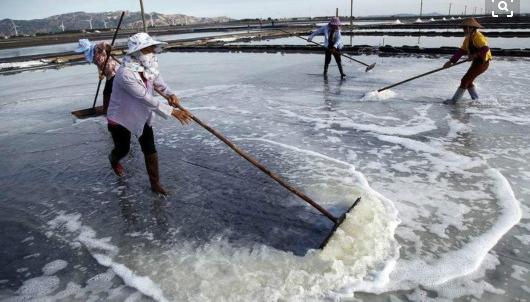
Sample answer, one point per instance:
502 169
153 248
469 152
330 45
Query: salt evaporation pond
441 185
65 47
397 41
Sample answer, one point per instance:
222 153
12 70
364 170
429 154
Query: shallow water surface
398 41
442 186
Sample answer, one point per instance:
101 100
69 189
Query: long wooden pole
263 168
143 15
351 23
368 67
107 58
421 75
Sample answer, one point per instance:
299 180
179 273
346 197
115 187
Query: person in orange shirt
476 47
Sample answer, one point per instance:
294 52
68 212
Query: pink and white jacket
132 103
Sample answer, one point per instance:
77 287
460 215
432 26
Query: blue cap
87 48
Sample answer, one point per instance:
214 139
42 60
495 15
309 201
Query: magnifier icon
503 6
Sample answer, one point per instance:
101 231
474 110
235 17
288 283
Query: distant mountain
92 21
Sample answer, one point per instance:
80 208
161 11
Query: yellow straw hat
471 22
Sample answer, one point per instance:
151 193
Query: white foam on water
485 102
452 213
505 118
54 266
379 96
143 284
21 64
518 272
103 252
470 285
446 159
416 125
524 239
362 248
219 272
230 39
48 288
456 127
409 274
38 286
362 252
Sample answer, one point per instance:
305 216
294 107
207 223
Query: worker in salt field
333 43
97 54
476 47
133 107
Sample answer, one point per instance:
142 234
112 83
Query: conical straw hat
471 22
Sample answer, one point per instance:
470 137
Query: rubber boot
151 164
456 97
473 93
116 166
342 74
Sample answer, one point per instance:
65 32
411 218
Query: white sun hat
141 41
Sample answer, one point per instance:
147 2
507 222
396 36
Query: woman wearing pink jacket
133 106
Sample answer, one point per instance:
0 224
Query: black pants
122 141
107 91
337 57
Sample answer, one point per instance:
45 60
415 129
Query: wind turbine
90 21
105 23
62 26
151 16
15 27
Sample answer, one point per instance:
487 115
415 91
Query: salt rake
422 75
99 110
368 67
337 221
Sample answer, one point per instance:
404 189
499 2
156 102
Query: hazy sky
32 9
